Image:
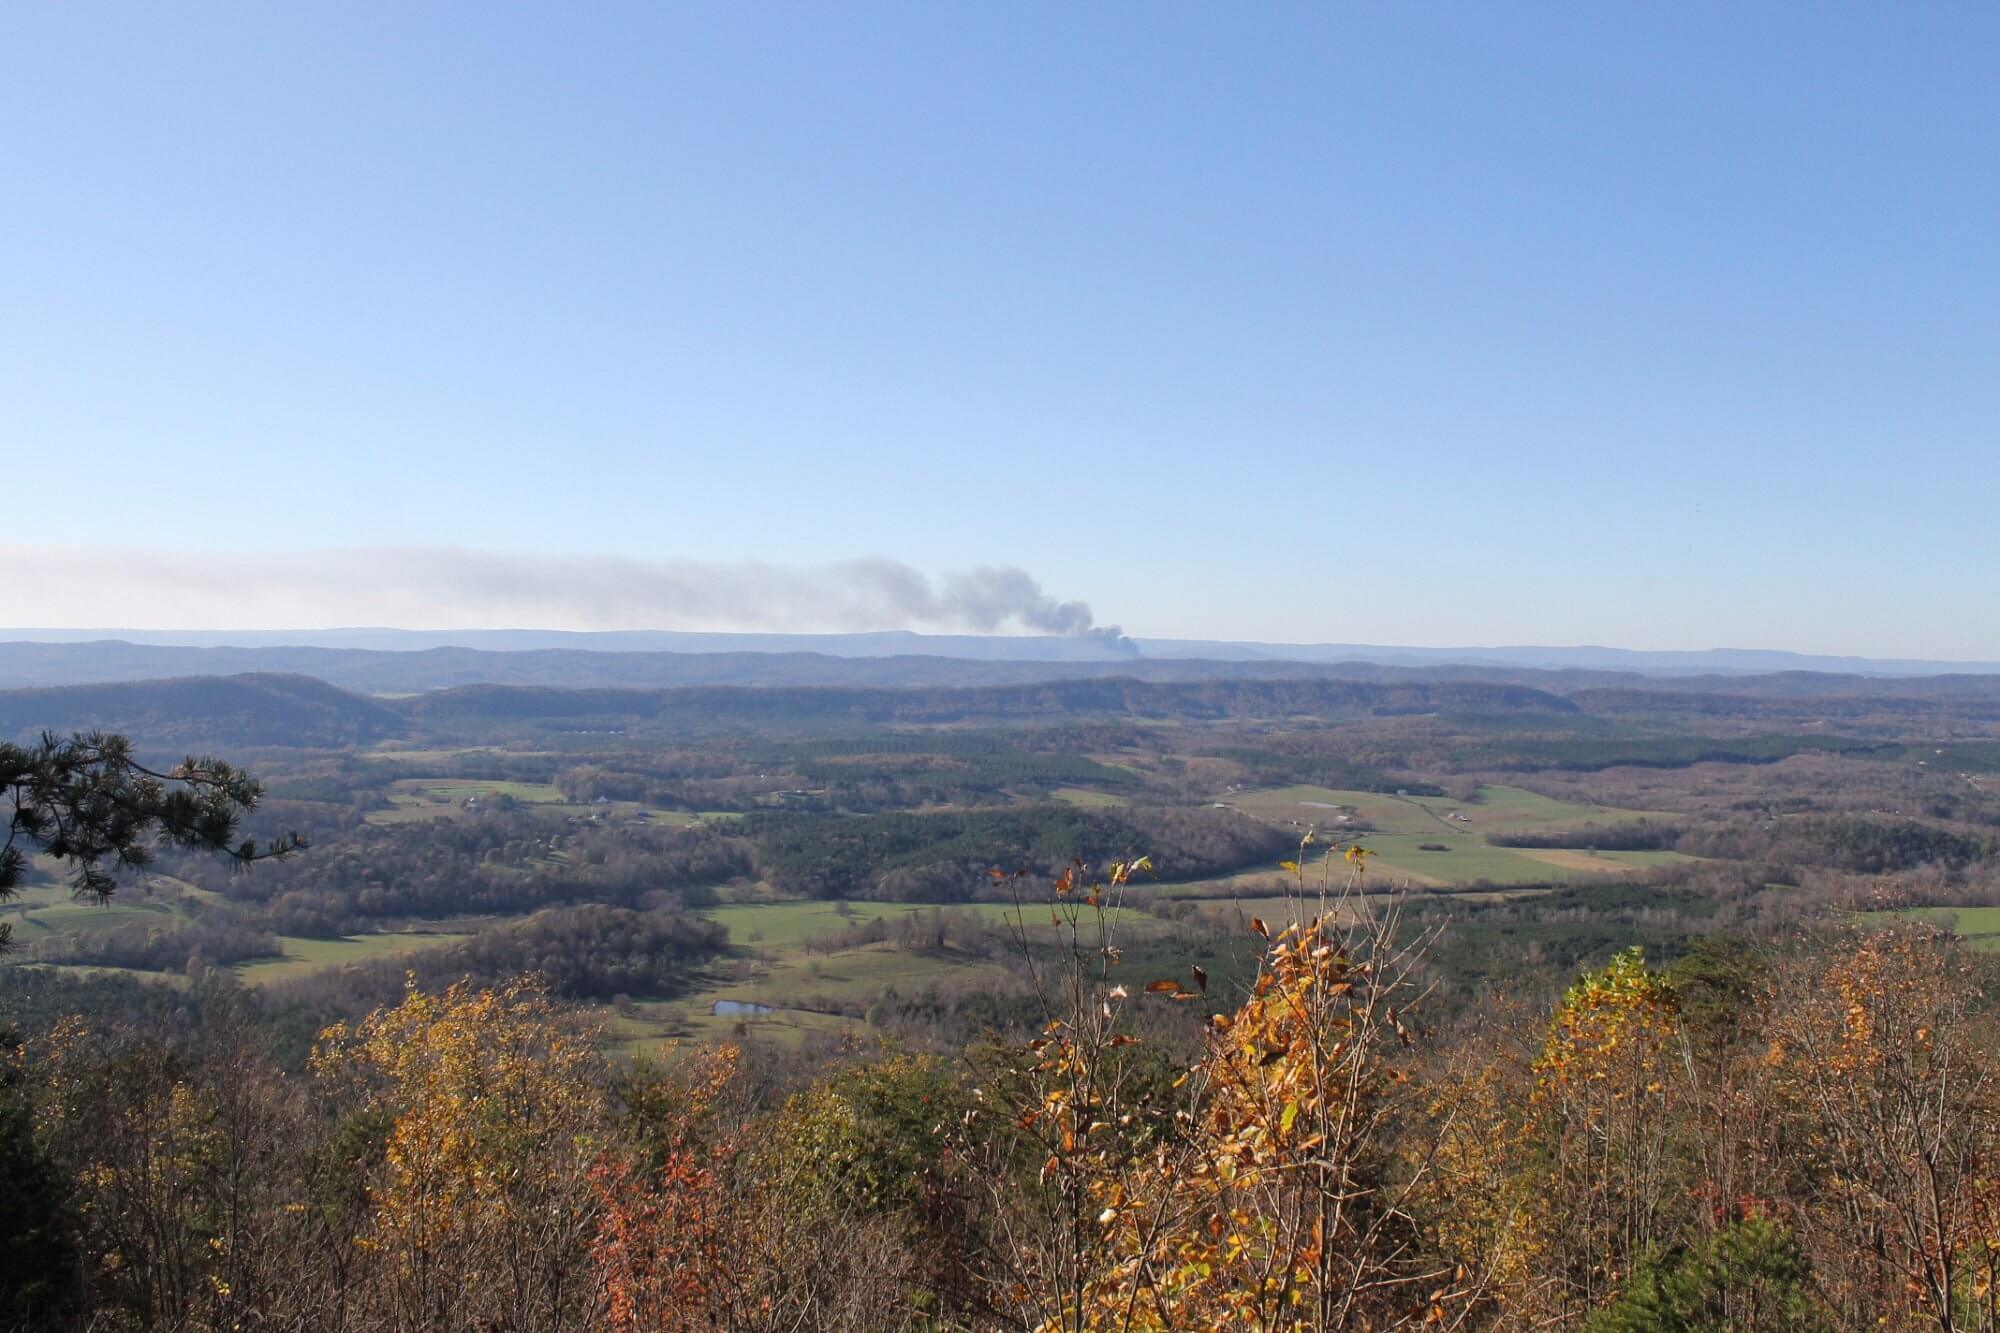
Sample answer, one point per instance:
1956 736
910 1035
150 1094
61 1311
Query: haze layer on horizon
442 595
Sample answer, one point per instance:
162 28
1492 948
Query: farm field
655 1029
1978 926
858 974
1602 863
418 799
1466 859
303 956
1498 809
1438 842
461 789
679 818
786 925
1505 809
40 910
147 975
418 755
793 991
797 987
1088 799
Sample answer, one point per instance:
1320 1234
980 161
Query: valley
817 864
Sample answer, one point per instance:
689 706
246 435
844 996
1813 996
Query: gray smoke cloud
461 588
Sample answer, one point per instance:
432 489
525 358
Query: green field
1978 926
173 979
799 985
1497 810
303 956
40 910
461 789
407 755
847 974
655 1029
43 910
1087 798
796 987
1405 826
1275 911
682 818
1515 810
417 799
788 925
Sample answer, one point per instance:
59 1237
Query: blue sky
1659 326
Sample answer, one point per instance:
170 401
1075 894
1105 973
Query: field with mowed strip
1439 842
303 956
50 908
1977 926
786 925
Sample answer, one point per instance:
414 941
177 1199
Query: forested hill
267 710
379 671
701 708
205 711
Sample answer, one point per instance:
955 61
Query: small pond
739 1008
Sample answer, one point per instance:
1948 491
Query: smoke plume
460 588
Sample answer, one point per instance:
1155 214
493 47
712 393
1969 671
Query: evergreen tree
86 801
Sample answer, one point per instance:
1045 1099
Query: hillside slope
204 712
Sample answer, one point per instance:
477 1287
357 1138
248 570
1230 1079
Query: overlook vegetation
1300 1147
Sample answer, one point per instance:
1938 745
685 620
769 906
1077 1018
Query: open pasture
40 910
1088 799
418 799
463 789
1978 926
798 986
790 925
858 974
174 979
1498 809
303 956
404 754
1603 863
795 989
659 1029
1438 842
1464 859
1456 859
681 818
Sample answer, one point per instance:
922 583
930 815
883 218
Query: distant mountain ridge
373 671
258 710
995 648
247 711
378 672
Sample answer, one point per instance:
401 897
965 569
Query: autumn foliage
1799 1136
